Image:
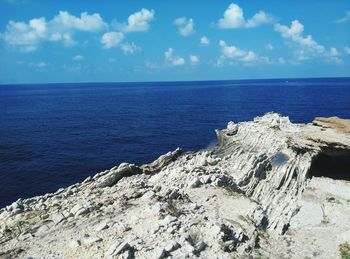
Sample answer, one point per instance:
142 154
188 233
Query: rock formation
258 193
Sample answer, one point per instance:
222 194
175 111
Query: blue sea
54 135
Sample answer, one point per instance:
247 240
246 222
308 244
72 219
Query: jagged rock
159 253
101 226
117 248
234 200
194 183
91 240
124 170
58 218
173 245
162 161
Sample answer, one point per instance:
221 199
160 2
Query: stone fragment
58 218
101 226
173 245
117 248
194 183
91 240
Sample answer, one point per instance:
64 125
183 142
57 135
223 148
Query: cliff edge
270 189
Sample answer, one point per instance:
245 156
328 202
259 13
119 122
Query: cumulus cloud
258 19
233 18
78 57
307 47
347 50
186 26
178 61
345 19
115 39
28 36
112 39
333 56
204 41
294 32
137 22
91 23
234 54
194 59
169 57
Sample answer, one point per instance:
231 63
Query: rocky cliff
270 189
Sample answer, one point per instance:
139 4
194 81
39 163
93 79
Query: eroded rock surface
254 195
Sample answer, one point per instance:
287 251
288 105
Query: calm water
55 135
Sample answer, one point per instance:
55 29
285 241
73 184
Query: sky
51 41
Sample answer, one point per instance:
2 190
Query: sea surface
54 135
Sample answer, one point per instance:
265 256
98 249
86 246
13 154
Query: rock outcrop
253 195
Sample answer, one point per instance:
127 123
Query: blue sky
108 41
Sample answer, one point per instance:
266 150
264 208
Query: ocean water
54 135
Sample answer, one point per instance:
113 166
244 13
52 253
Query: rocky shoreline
268 190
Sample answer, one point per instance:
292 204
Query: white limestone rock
250 196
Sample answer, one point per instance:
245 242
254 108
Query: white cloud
64 21
176 61
28 36
307 47
347 50
258 19
138 21
129 48
249 57
186 26
194 59
345 19
204 41
269 47
78 57
168 54
333 56
233 18
112 39
334 52
294 32
233 54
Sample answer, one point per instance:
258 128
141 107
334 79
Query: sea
55 135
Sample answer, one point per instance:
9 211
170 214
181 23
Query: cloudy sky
108 41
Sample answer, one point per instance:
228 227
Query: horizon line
173 81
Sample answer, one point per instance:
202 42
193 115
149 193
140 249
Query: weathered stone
194 183
101 226
117 248
91 240
262 179
58 218
173 245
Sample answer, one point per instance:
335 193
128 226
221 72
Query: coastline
239 198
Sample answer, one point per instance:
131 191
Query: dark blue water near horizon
54 135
